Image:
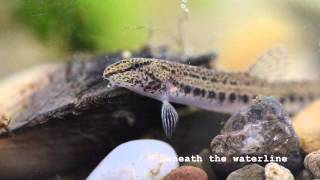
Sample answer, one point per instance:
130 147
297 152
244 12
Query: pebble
304 175
274 171
312 163
251 171
307 127
205 164
187 173
262 129
137 159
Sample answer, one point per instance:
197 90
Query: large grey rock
261 130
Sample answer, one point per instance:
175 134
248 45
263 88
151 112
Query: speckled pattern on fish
203 88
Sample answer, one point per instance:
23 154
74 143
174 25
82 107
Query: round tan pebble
312 163
307 126
187 173
274 171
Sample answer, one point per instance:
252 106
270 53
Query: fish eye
136 65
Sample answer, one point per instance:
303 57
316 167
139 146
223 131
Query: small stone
251 171
307 127
204 165
304 175
138 159
312 163
261 131
274 171
186 173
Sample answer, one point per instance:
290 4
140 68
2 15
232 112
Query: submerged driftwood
70 119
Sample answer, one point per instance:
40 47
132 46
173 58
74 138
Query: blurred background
41 31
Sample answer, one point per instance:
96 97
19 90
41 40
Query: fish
208 89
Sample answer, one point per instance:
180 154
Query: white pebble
134 160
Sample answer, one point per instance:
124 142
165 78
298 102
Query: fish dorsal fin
272 65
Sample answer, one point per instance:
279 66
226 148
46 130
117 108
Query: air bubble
109 85
184 7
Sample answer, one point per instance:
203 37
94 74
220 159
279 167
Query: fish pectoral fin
169 117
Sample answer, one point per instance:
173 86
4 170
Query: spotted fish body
204 88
